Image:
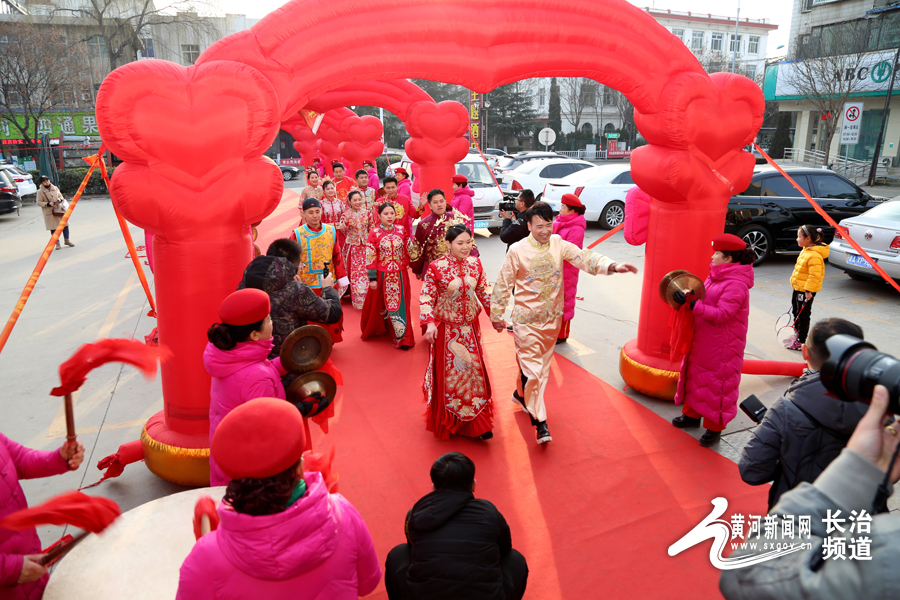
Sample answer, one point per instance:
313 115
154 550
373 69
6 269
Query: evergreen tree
554 112
511 114
441 92
782 136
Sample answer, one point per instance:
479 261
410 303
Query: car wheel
538 197
613 215
287 175
494 230
758 240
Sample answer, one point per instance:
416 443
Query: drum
137 557
680 280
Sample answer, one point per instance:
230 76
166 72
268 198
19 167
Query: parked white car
877 231
535 174
601 189
23 179
487 196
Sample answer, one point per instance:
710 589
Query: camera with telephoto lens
855 367
508 206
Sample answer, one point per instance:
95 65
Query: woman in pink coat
462 196
281 535
373 175
237 358
570 226
711 371
21 577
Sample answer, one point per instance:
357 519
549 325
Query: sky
777 11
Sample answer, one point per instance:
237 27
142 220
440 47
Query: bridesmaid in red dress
457 388
386 309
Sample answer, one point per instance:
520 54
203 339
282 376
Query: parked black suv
9 194
767 214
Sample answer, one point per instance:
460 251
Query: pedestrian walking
53 205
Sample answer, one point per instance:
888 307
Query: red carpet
594 511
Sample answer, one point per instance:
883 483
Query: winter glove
679 297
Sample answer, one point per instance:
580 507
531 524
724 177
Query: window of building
697 41
751 71
63 97
715 42
753 46
147 52
679 33
97 46
586 128
588 94
189 54
609 97
541 97
11 96
734 44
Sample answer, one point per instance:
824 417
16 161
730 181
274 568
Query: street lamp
487 104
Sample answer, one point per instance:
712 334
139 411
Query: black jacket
456 542
776 442
514 230
293 303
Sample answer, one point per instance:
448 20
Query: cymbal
680 280
306 349
311 384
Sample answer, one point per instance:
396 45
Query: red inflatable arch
696 124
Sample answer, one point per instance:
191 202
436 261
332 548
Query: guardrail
851 168
583 154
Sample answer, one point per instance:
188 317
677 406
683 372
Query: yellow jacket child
810 269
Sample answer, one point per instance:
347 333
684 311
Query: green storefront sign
53 124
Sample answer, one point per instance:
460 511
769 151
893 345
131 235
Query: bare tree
39 67
124 24
828 71
625 111
578 94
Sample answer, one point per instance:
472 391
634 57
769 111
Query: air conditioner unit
885 161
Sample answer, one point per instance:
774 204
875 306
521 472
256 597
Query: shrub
70 180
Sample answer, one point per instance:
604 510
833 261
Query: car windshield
888 210
477 173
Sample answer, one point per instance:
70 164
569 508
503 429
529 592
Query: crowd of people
281 530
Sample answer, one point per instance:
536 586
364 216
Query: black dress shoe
561 341
543 433
684 421
486 435
709 438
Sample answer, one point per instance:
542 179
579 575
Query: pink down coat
571 228
18 462
462 202
405 188
711 372
238 376
317 549
373 179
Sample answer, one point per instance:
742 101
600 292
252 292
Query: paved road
91 291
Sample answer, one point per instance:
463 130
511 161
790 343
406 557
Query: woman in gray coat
48 197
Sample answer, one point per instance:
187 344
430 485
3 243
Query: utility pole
887 104
736 45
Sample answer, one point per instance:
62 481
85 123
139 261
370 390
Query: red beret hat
728 243
459 179
244 307
259 439
571 200
400 171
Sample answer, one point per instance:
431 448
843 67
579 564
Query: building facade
858 40
711 38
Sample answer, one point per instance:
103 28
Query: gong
680 280
314 386
306 349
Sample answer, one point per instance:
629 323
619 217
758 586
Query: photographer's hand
872 440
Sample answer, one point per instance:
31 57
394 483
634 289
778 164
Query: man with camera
805 429
853 554
514 226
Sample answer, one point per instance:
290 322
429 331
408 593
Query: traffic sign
611 136
546 136
851 123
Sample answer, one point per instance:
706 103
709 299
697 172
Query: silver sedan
878 232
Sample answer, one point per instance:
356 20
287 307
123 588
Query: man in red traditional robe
341 183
